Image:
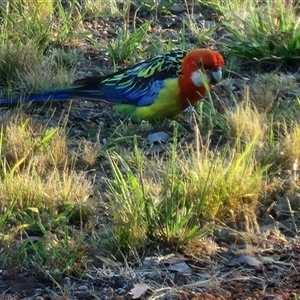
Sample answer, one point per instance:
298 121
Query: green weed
265 32
158 7
128 46
167 201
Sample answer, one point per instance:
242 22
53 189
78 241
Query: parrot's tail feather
36 98
68 93
88 96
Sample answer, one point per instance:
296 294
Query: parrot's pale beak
216 75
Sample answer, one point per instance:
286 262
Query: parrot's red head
200 69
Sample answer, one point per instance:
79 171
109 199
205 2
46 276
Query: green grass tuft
168 201
267 32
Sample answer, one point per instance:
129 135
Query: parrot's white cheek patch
199 79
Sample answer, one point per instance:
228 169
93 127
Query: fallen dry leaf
181 267
138 290
250 260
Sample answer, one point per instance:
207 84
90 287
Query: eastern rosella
157 88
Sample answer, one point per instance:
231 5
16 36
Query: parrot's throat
190 94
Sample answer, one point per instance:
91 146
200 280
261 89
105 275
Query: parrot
158 88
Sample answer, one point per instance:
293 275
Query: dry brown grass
36 166
247 124
42 8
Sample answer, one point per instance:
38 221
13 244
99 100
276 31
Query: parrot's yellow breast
166 105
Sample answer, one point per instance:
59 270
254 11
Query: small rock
83 287
207 23
177 9
158 137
